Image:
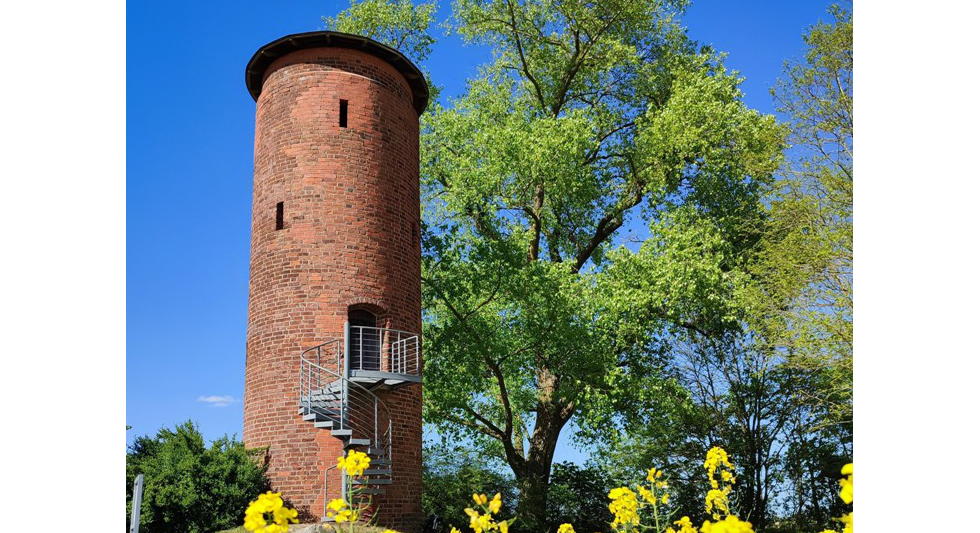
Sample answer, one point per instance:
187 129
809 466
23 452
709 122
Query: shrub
449 478
189 487
577 495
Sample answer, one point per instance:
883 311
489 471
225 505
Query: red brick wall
350 236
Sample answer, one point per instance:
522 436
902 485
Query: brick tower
333 352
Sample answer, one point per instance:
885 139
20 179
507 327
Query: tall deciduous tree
592 117
399 24
773 383
804 301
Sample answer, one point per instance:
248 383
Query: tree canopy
613 242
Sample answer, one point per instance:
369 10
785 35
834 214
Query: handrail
327 390
384 349
316 379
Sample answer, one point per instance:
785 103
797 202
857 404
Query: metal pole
345 375
134 517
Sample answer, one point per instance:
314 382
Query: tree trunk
534 475
532 509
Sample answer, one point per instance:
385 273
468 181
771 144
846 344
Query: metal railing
384 350
326 391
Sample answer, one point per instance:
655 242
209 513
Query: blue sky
190 127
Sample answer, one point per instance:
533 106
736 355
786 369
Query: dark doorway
365 340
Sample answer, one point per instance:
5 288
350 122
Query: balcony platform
389 379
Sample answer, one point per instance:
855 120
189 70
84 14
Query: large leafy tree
804 301
774 383
592 117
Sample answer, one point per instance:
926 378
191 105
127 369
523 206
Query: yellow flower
495 503
663 500
347 515
355 463
566 528
454 530
730 524
480 499
478 522
847 484
283 516
848 521
623 506
685 526
503 526
646 494
267 514
717 457
716 499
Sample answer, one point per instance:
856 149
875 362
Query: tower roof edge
268 53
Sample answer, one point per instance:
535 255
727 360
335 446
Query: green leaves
589 115
188 486
803 302
399 24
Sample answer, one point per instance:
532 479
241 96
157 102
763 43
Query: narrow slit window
343 113
279 216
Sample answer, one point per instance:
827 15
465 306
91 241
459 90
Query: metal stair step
323 424
369 490
372 481
358 442
326 400
377 472
341 432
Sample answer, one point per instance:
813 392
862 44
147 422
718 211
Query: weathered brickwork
350 237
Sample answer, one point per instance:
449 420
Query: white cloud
216 401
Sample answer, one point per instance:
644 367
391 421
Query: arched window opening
365 340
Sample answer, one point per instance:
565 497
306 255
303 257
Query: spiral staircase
338 381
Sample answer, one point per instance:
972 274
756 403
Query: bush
449 479
577 495
189 487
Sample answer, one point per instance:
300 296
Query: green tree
577 495
592 116
771 382
450 477
803 305
189 487
399 24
